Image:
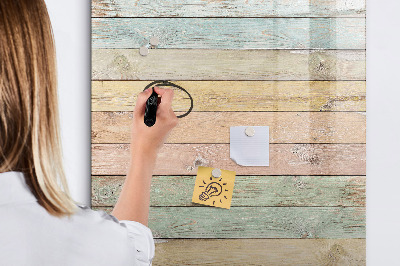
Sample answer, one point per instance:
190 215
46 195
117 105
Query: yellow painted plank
219 64
240 95
213 127
285 159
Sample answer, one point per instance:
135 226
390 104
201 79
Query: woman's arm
134 200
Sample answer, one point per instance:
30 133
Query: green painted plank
256 222
230 33
248 190
231 8
289 252
201 64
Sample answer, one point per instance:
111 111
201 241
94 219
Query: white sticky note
250 150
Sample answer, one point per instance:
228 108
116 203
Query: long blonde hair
29 119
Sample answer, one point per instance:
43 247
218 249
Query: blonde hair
29 119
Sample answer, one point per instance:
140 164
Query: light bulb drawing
213 189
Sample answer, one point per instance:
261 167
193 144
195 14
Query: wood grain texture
261 252
256 222
260 191
285 159
285 127
240 95
202 64
232 8
230 33
238 58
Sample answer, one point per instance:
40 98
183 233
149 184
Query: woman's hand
134 200
146 139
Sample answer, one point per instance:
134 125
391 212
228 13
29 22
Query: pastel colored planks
285 159
202 64
232 8
283 252
256 222
248 190
240 95
285 127
230 33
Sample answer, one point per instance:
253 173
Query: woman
40 224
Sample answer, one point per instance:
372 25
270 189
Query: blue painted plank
231 8
230 33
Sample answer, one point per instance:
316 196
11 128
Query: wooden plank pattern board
128 64
256 222
285 127
231 33
268 191
285 159
240 95
285 252
295 66
232 8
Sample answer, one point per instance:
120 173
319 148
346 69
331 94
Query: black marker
151 109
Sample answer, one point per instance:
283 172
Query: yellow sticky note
212 191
